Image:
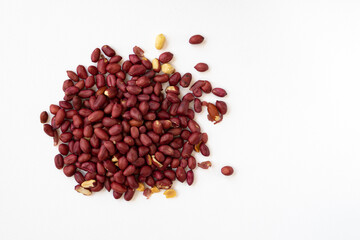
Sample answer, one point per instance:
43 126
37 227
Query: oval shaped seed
190 177
160 41
166 57
180 174
167 68
118 187
59 161
201 67
96 116
95 55
196 39
129 194
219 92
44 117
227 170
185 80
69 170
221 106
108 51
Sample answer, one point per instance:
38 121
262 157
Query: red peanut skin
95 55
196 39
201 67
227 170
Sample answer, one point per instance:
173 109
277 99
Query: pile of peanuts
120 131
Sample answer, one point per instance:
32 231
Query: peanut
82 190
154 189
159 41
170 193
156 65
167 68
88 184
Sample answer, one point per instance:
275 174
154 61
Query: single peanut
159 41
167 68
170 193
156 65
227 170
196 39
44 117
88 184
82 190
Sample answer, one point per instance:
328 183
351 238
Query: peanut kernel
156 65
170 193
84 191
88 184
159 41
167 68
154 189
141 187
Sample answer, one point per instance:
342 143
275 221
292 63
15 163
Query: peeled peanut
167 68
159 41
156 65
154 189
170 193
82 190
88 184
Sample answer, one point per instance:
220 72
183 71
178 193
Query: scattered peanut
227 170
159 41
170 193
142 134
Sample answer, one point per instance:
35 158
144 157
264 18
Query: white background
291 69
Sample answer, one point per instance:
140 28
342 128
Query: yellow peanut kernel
159 41
84 191
88 184
167 68
141 187
154 189
170 193
156 65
